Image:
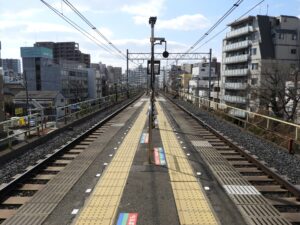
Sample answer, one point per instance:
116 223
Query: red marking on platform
156 156
146 138
132 219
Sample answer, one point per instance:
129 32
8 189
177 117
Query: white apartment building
249 48
200 79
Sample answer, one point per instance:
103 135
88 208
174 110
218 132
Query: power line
235 5
217 34
80 29
93 27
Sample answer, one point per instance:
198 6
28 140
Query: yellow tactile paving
191 202
102 206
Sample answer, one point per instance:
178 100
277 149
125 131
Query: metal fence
284 133
20 129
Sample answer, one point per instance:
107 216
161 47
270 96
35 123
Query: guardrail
283 133
17 130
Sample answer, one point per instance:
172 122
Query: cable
235 5
217 34
80 29
93 27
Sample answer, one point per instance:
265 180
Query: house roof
37 94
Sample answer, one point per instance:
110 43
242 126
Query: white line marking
88 190
74 211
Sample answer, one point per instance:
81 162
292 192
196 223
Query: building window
253 51
293 51
254 66
280 36
294 36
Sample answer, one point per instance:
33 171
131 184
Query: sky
125 24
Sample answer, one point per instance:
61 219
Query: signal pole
152 21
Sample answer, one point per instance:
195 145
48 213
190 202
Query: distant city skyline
125 23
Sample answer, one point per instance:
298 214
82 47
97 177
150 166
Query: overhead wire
221 31
220 20
99 43
74 9
80 29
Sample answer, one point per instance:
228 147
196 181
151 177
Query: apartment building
12 64
199 84
249 49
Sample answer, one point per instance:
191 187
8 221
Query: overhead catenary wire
74 9
81 30
233 7
221 31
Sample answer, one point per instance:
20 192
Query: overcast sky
125 23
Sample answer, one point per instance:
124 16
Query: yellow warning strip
102 206
192 204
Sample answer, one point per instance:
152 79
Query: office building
41 73
66 51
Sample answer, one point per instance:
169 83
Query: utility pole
209 80
127 72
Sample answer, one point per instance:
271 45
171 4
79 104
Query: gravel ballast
275 156
19 164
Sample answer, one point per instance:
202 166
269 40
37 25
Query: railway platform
110 181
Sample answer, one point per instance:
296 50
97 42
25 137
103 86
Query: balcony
236 86
236 46
234 99
238 32
236 59
236 72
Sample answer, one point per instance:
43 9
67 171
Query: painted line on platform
127 219
192 204
102 206
144 138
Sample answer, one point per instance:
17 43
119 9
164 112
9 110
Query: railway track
24 186
282 194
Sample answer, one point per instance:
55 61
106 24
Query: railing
236 86
236 72
235 59
238 45
240 31
17 130
234 99
283 133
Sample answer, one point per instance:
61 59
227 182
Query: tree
275 94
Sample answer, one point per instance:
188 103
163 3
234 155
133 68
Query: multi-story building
136 77
12 71
12 64
200 79
252 45
114 74
66 51
41 73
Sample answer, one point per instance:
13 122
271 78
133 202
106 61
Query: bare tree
273 92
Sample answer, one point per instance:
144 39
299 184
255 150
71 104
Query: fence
283 133
17 130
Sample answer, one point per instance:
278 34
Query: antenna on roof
267 9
